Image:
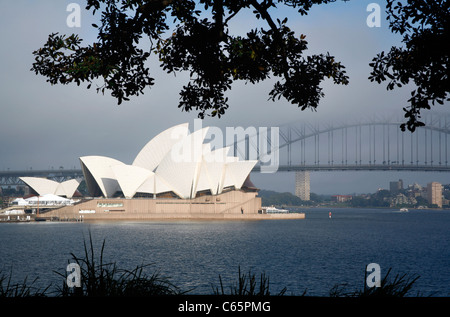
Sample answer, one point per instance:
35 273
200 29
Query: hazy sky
44 126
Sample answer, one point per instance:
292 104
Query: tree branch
265 15
218 18
277 36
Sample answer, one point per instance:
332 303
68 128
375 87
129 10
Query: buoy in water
329 215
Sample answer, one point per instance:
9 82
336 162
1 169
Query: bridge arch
369 145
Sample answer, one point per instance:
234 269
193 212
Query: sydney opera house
175 163
175 175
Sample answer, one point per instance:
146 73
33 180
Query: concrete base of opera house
235 204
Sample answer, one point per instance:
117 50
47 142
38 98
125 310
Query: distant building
445 202
341 198
302 185
415 190
395 187
401 199
434 193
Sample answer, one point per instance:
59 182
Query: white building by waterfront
175 162
176 175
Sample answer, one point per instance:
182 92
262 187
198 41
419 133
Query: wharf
32 218
146 217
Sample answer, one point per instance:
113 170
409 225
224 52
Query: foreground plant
98 278
399 286
9 289
247 285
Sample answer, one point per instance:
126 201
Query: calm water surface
312 254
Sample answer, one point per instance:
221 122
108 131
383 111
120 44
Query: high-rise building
434 193
396 186
302 185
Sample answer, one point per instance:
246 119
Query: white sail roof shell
227 179
211 171
238 172
156 149
202 179
45 186
181 165
67 188
41 185
100 168
130 178
154 185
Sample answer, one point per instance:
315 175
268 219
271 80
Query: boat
273 210
404 209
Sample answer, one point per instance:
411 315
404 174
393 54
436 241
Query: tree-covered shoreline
379 199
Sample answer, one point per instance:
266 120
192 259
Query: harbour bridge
365 145
359 145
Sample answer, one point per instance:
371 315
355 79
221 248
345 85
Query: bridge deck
11 178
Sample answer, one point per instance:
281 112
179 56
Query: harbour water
312 254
